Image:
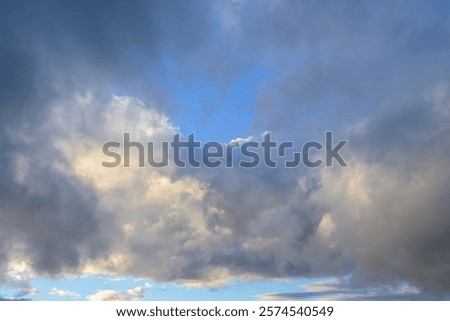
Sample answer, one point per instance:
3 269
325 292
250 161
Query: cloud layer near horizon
375 73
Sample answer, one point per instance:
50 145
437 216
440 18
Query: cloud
347 296
336 290
346 67
33 292
23 294
108 295
79 75
112 295
13 299
137 292
64 293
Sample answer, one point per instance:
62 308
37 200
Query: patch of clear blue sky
160 291
211 108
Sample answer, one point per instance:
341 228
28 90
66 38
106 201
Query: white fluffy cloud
113 295
108 295
64 293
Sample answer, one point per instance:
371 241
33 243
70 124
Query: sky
77 74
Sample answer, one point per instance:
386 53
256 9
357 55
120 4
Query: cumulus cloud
112 295
137 292
64 293
108 295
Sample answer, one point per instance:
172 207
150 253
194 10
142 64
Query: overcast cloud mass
75 75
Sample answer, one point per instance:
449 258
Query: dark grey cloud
49 50
378 73
48 216
350 59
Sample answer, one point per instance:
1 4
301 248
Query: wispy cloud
108 295
63 293
335 290
113 295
